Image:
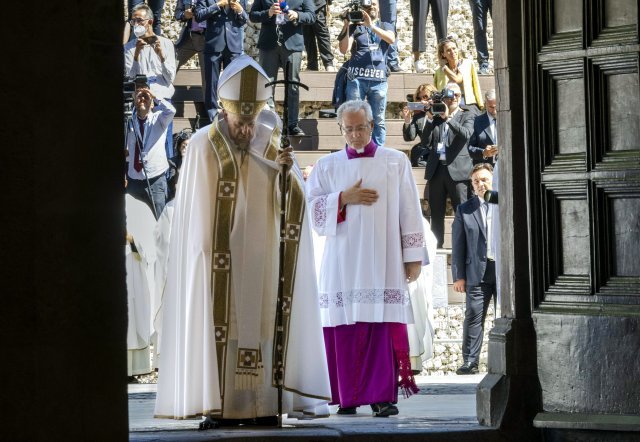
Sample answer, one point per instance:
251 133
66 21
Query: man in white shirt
151 55
146 155
473 266
364 200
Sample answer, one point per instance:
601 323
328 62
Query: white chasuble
362 276
422 331
219 303
139 264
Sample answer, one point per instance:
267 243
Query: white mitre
241 87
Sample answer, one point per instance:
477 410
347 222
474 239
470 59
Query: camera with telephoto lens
439 107
129 87
354 13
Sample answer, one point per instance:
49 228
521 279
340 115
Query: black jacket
291 31
457 156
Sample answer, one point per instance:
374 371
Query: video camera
438 106
129 88
354 12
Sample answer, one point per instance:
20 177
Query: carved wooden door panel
583 136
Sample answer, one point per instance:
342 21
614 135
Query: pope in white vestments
364 200
219 306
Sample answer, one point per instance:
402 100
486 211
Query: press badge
440 148
376 53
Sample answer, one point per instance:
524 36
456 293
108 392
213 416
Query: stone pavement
445 409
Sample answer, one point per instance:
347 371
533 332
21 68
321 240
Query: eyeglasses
457 96
138 20
349 130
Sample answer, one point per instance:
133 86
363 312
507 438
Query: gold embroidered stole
225 206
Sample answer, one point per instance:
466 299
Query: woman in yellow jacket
461 71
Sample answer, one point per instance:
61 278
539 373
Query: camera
439 107
129 87
354 13
413 106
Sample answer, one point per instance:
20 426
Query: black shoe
267 421
395 68
484 70
346 410
384 409
467 368
295 131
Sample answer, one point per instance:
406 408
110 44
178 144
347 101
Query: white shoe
420 66
330 68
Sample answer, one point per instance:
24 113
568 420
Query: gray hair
148 13
490 95
355 106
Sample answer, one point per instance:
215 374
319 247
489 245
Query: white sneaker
420 66
330 68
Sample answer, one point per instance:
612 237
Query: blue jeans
375 92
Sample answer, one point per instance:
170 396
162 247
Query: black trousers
419 12
213 65
442 185
479 9
478 300
318 32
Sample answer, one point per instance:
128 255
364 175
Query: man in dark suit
448 163
472 264
317 39
224 39
281 41
483 146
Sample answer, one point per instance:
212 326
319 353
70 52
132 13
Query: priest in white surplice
220 302
364 201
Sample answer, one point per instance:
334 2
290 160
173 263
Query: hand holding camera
236 6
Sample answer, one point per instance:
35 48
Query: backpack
340 86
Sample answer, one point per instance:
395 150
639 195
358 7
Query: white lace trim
413 240
320 211
364 296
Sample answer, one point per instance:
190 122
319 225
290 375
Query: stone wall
447 349
459 25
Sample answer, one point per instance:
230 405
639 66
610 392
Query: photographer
147 157
151 55
414 120
369 42
281 41
447 132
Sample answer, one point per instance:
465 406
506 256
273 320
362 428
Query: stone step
331 139
188 86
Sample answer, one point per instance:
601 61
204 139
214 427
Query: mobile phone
150 40
416 106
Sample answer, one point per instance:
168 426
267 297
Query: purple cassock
368 361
